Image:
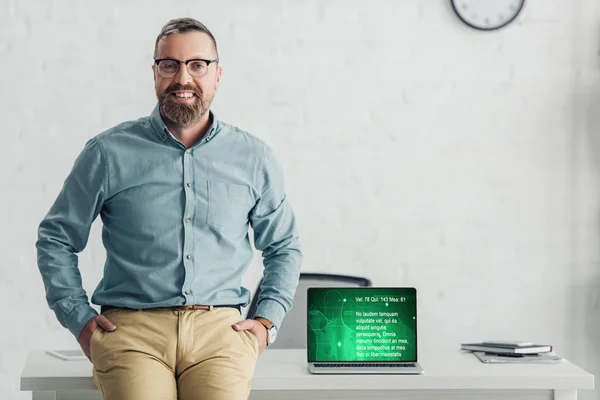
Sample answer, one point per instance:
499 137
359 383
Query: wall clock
487 15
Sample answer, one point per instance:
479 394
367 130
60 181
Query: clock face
487 14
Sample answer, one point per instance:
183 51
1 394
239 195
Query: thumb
105 323
244 325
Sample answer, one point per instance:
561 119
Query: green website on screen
361 324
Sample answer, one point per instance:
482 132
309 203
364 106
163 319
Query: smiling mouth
184 95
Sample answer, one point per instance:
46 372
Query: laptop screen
361 324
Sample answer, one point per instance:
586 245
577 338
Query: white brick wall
417 151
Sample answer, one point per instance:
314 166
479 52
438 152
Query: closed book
507 343
545 358
533 349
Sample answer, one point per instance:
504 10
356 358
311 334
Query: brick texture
417 151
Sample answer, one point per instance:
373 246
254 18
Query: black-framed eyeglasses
169 67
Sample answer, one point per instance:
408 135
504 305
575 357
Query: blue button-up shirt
175 223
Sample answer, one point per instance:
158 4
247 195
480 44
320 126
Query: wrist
265 322
270 327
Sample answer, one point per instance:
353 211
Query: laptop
362 330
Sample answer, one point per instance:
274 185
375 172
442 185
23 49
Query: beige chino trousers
173 355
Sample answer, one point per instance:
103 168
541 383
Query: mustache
175 88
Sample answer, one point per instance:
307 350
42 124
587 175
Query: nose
183 76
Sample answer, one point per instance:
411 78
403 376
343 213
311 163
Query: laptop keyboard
365 365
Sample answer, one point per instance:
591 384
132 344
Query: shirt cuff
271 310
78 318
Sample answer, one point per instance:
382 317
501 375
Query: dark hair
182 25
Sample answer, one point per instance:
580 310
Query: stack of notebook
499 351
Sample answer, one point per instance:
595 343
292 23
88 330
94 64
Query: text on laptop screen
362 324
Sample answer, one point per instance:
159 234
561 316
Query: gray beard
183 114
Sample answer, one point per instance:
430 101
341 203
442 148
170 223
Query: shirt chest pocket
228 207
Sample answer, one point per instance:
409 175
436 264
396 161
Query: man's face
186 111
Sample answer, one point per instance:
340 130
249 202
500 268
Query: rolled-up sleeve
276 236
64 232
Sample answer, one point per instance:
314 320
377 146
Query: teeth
184 95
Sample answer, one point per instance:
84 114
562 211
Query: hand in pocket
98 322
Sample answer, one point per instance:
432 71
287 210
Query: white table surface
445 368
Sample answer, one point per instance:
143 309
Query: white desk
282 374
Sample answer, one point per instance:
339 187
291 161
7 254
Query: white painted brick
417 151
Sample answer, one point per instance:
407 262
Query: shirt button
164 137
188 257
187 292
188 220
188 151
189 184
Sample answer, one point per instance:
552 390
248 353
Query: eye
168 65
198 65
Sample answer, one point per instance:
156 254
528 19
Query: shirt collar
163 133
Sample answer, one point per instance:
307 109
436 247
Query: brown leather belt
172 308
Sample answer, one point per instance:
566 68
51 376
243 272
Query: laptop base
350 370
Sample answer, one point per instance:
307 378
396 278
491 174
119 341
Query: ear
154 72
218 79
